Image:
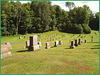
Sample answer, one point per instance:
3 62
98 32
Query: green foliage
86 28
79 15
70 5
77 29
41 16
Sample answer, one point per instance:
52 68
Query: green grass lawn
56 60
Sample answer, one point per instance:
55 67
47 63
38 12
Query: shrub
77 29
86 29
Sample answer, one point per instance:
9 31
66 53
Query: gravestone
53 39
60 43
20 37
79 42
39 43
47 45
9 46
4 48
56 44
50 39
65 35
33 43
39 39
76 43
5 51
91 38
27 44
72 44
85 41
24 37
45 38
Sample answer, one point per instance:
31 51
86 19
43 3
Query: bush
86 29
77 29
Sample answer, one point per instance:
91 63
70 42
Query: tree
18 15
4 7
70 5
94 21
42 15
26 22
58 16
97 21
86 29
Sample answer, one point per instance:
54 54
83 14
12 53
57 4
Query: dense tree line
41 16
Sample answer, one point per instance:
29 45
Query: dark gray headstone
79 42
76 43
24 37
72 44
85 41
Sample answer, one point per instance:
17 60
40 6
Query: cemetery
49 37
38 54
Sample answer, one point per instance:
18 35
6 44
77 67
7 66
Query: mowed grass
56 60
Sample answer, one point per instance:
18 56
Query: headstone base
47 47
79 44
76 44
5 54
72 47
33 48
55 45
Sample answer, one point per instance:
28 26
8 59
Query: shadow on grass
94 48
69 48
96 45
52 47
23 51
92 42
